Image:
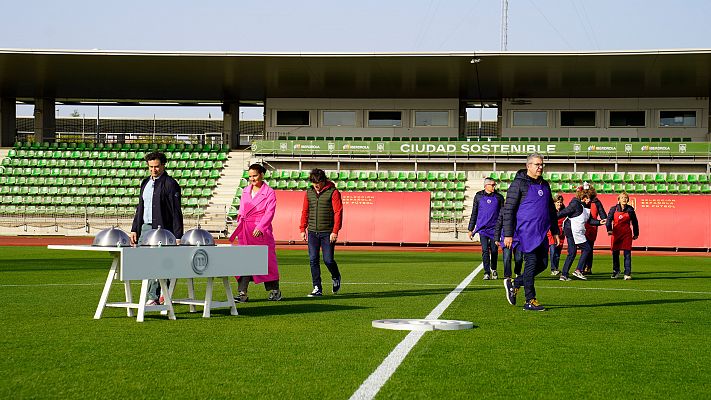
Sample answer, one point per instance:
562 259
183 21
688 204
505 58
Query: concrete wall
361 108
652 107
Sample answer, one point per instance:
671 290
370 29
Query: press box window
627 119
339 118
431 118
385 118
677 118
530 118
577 119
292 118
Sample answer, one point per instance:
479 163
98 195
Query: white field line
392 284
372 385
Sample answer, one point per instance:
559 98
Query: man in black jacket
529 213
158 205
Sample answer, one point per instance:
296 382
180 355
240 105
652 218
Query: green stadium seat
673 188
649 178
660 177
705 188
695 188
555 177
684 188
703 178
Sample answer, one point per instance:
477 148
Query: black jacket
475 206
515 195
166 206
574 209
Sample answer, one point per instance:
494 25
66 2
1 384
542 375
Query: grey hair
532 156
488 180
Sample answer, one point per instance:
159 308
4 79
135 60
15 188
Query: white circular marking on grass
422 324
372 385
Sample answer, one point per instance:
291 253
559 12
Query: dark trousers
585 251
321 241
616 261
589 260
535 262
518 260
243 284
554 253
153 284
489 253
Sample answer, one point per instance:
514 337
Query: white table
175 262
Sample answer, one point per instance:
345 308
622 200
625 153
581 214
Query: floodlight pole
504 24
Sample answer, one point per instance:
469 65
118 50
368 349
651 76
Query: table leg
167 296
208 299
142 300
191 293
230 298
107 287
129 297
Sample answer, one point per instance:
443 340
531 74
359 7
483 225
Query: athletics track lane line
372 385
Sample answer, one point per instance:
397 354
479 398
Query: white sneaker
487 277
628 277
579 275
316 292
494 274
152 302
555 272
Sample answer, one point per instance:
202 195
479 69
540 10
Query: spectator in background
158 205
254 227
577 215
620 218
485 213
554 249
597 211
321 217
528 215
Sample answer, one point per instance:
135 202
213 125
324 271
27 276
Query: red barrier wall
671 221
368 217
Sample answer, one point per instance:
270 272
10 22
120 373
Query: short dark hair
317 175
157 155
258 167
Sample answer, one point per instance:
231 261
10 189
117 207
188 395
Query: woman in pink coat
254 227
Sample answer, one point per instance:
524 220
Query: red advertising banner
671 221
368 217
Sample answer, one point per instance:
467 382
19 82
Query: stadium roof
209 77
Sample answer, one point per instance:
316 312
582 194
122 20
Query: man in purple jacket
529 213
485 213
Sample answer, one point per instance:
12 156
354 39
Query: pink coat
258 212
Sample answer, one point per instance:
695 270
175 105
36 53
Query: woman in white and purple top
529 213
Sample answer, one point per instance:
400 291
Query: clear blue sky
354 26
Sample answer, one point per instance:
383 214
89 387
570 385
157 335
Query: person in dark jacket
577 215
321 220
528 215
508 253
597 211
485 212
158 205
554 249
620 217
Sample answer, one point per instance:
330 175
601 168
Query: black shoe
336 285
533 305
316 292
615 275
511 291
242 298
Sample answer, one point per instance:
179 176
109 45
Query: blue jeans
535 262
322 241
616 261
153 284
554 252
489 253
518 260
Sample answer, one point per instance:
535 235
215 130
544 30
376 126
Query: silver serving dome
197 237
157 237
112 237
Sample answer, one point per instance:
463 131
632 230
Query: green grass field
645 338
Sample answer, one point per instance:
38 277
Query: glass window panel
627 118
431 118
677 118
530 118
577 118
339 118
300 118
385 118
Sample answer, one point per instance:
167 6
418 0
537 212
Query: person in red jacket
597 211
555 249
621 218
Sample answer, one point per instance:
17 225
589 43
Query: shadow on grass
268 309
628 303
399 293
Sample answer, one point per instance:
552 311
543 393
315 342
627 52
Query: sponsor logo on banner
381 147
601 148
331 146
349 146
682 148
476 148
628 147
299 146
655 148
282 146
576 147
